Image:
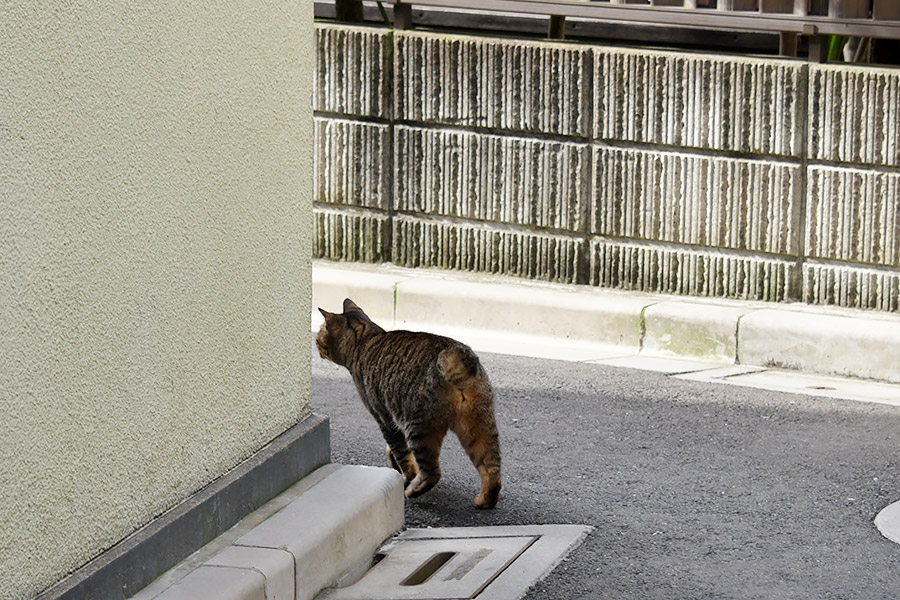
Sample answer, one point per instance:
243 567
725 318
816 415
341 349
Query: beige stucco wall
155 225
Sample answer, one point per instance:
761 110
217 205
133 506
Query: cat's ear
351 305
326 314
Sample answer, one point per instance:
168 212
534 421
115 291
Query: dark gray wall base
135 562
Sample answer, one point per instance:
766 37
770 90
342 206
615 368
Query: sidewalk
792 347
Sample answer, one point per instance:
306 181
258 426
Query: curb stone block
300 543
335 526
587 315
373 292
221 583
500 314
821 343
277 566
690 329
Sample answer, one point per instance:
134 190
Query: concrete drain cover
456 563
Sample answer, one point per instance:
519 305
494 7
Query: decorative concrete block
722 218
698 200
498 83
361 236
854 114
504 179
352 163
851 287
482 248
853 215
699 101
352 71
651 268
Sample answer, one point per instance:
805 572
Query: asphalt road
696 490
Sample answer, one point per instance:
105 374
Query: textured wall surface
676 172
155 233
699 101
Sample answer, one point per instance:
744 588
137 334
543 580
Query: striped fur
418 386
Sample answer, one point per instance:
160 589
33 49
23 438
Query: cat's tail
458 365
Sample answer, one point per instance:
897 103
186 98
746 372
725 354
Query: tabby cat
418 386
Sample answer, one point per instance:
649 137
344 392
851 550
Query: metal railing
815 19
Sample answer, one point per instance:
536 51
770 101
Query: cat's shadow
449 504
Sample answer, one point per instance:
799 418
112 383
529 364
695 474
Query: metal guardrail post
818 48
403 16
787 43
557 28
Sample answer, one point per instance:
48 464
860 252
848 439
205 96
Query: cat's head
340 334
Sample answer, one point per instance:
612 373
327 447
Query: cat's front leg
406 466
398 453
426 449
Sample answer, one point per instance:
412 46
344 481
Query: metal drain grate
458 563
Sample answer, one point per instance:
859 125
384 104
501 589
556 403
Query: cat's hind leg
426 448
476 428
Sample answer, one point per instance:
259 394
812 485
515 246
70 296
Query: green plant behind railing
836 45
383 12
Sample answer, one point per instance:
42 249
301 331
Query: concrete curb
584 323
304 541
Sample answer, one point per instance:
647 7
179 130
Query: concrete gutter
325 527
584 323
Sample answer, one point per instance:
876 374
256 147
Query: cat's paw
487 499
484 502
408 470
420 485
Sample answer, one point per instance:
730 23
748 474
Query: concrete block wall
705 175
